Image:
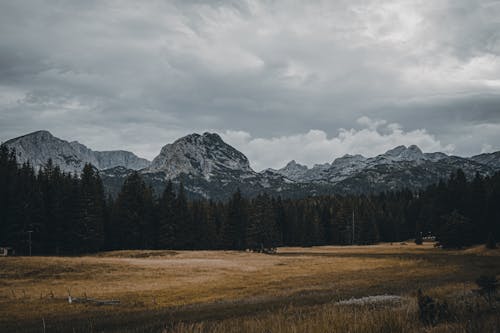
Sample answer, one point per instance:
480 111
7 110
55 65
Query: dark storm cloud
122 74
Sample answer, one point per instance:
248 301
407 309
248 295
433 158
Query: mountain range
210 168
37 147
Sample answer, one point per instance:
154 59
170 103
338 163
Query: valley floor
297 289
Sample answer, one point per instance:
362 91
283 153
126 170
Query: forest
51 212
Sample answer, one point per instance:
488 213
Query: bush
488 285
418 239
491 243
430 310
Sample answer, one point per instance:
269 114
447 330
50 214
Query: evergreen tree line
63 213
67 214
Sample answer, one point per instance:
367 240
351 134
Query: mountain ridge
39 146
210 168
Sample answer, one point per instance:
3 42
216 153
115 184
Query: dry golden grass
158 287
368 318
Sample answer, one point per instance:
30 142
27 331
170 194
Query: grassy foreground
296 290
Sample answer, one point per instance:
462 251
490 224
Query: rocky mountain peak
202 155
437 156
36 136
40 146
347 158
292 170
490 159
403 153
209 167
44 134
214 137
294 165
396 151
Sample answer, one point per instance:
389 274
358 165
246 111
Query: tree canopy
69 214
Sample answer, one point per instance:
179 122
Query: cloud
315 147
138 75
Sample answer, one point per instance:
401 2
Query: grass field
297 289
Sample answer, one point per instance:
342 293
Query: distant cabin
6 251
429 238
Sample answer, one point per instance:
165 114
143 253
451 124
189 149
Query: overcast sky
279 80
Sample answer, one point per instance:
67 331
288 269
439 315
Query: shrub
491 243
488 285
430 310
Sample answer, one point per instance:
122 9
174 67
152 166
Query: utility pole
352 242
29 239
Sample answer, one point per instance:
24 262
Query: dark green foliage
205 217
491 242
131 217
63 213
67 214
183 223
488 285
166 228
431 311
234 227
262 231
418 239
456 232
89 224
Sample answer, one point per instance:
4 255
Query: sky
279 80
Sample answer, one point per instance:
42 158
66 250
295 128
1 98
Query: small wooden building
6 251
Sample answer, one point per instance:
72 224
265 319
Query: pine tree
367 229
166 228
262 231
314 231
68 214
183 225
456 231
129 218
209 229
281 219
19 201
343 223
28 200
234 225
493 208
89 226
150 221
476 209
54 226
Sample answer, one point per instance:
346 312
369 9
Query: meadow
317 289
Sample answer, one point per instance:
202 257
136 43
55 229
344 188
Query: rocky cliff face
209 168
292 170
490 159
204 156
38 147
115 158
